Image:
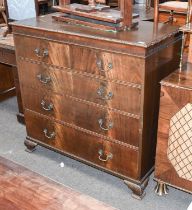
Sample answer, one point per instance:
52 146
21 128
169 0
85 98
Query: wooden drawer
117 96
41 50
6 78
179 19
84 115
110 65
76 143
122 97
7 56
46 77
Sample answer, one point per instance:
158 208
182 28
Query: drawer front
45 77
121 97
41 50
109 94
109 65
92 118
7 56
114 157
6 78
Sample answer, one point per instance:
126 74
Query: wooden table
9 82
23 189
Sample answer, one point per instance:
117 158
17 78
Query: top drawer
111 66
44 51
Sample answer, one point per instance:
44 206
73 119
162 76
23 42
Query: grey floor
78 176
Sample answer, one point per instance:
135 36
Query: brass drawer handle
46 107
108 156
101 92
44 79
101 68
48 134
101 122
41 53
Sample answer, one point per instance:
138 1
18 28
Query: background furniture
9 81
22 9
93 95
43 6
89 15
9 76
174 12
3 10
174 145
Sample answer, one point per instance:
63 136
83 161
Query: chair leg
4 17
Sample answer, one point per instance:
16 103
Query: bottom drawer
114 157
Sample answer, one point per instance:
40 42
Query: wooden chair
43 4
22 9
14 11
3 11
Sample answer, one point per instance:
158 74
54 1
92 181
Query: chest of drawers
174 144
94 95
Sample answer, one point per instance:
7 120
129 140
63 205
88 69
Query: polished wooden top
180 79
147 34
23 189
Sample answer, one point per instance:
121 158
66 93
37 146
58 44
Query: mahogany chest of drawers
94 95
174 143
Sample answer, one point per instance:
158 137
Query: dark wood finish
66 140
45 77
177 18
30 146
126 8
18 185
97 62
176 93
7 88
79 60
9 77
124 97
115 15
124 129
138 190
89 15
20 114
7 56
28 47
173 14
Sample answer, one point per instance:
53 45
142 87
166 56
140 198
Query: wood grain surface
176 93
22 189
96 119
86 146
94 74
9 80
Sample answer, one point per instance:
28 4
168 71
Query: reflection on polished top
180 78
147 33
